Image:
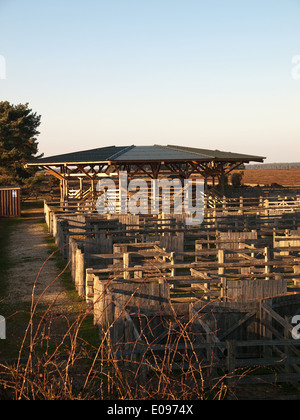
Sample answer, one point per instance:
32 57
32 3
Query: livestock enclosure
221 295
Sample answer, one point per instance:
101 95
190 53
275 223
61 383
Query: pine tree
18 142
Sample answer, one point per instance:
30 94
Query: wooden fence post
80 274
221 270
173 271
241 210
89 286
267 259
98 300
126 264
266 206
230 360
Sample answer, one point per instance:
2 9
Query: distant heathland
287 165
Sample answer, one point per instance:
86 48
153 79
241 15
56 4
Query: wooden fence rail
230 283
120 311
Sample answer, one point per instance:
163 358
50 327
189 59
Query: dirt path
28 250
59 306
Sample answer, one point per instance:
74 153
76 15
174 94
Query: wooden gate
10 202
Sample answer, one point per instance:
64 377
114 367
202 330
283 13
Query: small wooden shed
10 201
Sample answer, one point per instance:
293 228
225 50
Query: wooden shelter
10 201
139 161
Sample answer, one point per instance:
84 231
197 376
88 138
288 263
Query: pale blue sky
210 74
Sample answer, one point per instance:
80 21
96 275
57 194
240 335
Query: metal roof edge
193 150
184 149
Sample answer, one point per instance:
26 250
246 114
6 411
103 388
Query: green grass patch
87 330
6 226
62 266
16 314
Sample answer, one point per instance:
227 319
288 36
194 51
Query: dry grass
64 366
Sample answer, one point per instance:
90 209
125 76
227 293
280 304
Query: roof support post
63 192
222 181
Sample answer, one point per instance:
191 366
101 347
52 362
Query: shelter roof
155 153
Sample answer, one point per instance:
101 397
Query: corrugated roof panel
155 153
93 155
214 154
